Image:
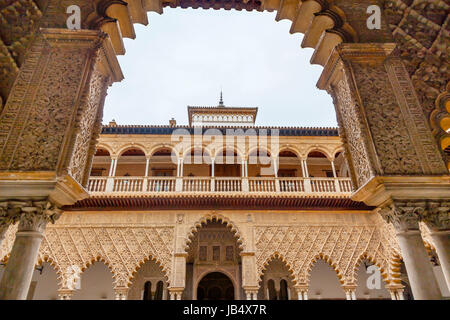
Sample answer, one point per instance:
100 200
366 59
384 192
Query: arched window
284 290
147 291
272 293
159 291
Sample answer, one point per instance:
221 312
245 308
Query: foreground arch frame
396 162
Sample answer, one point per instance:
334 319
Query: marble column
65 294
437 219
251 294
302 292
405 218
396 291
350 292
175 293
16 279
121 293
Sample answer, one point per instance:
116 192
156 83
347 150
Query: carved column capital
437 215
404 215
35 216
9 212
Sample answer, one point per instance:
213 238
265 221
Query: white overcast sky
184 57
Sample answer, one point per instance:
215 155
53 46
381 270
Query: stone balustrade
102 185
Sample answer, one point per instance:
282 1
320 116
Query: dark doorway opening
215 286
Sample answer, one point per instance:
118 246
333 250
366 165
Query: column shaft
19 269
441 241
16 279
420 273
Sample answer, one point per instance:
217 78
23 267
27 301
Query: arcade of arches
391 95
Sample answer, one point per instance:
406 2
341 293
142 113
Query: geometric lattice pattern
421 29
122 249
343 247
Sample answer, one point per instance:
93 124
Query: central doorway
215 286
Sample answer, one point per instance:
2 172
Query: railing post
245 187
213 184
179 184
308 188
109 184
277 185
144 184
337 185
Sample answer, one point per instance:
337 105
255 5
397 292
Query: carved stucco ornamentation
39 110
417 125
87 123
342 247
124 249
350 124
394 147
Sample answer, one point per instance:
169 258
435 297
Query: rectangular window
216 253
203 253
229 253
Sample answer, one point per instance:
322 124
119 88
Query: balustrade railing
291 185
323 185
345 184
228 184
128 184
97 184
218 184
197 184
156 184
261 184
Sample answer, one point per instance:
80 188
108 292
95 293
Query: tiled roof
165 129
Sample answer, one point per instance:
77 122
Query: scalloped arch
56 267
149 258
365 256
277 256
328 260
209 218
